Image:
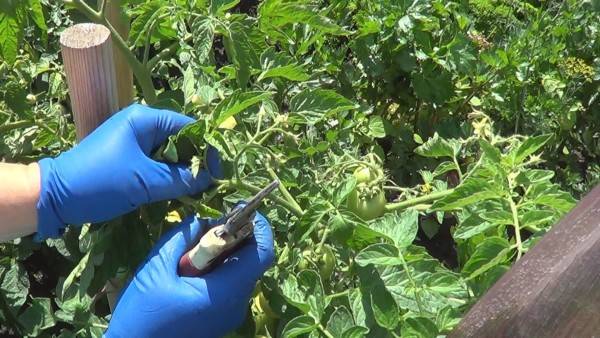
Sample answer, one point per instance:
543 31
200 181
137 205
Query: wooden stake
553 291
89 65
116 17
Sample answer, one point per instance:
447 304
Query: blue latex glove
159 303
110 172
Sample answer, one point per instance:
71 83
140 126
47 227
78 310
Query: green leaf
471 191
236 103
400 228
357 303
472 226
433 84
489 253
439 147
340 321
11 29
376 128
219 7
310 284
290 290
529 147
560 200
203 30
355 332
532 176
37 317
343 190
443 168
492 153
311 219
419 327
385 309
75 273
276 13
378 254
146 21
298 326
319 102
537 217
37 16
279 65
15 286
498 217
243 45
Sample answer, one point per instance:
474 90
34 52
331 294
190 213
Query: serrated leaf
203 31
378 254
492 153
472 226
471 191
385 309
243 45
340 321
532 176
311 219
343 190
355 332
498 217
15 286
319 102
443 168
298 326
37 15
439 147
489 253
37 317
290 290
11 33
312 287
74 274
219 7
237 102
537 217
376 128
400 228
529 147
419 327
560 200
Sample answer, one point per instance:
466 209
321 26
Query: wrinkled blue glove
159 303
111 173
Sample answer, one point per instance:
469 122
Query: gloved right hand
157 302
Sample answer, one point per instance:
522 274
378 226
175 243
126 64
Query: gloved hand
159 303
110 172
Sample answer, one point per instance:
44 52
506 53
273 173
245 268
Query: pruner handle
212 250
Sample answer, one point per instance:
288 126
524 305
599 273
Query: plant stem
515 214
417 200
15 125
412 281
283 190
325 332
254 189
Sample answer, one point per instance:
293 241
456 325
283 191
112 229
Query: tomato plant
395 128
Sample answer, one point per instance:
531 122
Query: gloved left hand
157 302
111 173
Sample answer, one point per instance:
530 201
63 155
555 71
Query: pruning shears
220 241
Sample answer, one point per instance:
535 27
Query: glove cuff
50 225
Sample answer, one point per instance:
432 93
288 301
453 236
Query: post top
84 35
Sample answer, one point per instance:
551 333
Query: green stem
417 200
141 73
254 189
325 332
412 281
283 190
515 214
15 125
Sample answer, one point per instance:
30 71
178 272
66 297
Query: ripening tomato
367 200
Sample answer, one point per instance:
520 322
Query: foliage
480 119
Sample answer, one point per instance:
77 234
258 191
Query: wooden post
553 291
116 17
89 61
89 65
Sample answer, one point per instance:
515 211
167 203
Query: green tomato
305 261
367 207
326 262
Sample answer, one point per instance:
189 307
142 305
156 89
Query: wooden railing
553 291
